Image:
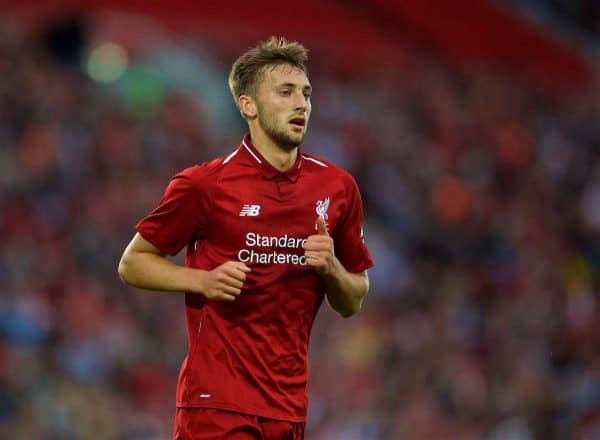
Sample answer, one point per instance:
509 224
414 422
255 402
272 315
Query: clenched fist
225 282
319 250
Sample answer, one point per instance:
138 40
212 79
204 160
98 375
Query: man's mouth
298 122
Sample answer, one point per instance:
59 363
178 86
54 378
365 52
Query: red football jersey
250 355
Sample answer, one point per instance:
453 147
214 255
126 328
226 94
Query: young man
270 231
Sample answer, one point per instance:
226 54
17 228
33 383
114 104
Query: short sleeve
178 219
349 242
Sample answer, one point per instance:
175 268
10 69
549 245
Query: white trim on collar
318 162
250 151
237 150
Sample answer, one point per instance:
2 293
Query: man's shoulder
205 171
317 164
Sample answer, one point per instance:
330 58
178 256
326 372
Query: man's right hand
144 265
225 282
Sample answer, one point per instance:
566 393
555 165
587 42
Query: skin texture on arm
143 265
345 290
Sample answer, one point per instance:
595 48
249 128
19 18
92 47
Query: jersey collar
265 168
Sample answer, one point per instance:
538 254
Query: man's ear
247 106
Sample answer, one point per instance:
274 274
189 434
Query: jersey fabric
210 424
250 355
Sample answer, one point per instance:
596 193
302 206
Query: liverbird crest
322 207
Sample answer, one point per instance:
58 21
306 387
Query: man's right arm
144 265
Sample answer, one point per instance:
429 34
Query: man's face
283 104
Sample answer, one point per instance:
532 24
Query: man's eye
284 92
307 95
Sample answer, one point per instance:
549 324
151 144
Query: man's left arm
345 290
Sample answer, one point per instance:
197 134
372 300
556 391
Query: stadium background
473 129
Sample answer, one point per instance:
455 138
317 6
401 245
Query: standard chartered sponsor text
258 241
251 256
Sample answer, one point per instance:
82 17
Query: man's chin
294 142
288 141
298 138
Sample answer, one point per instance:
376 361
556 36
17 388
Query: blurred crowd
482 212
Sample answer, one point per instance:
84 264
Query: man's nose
300 102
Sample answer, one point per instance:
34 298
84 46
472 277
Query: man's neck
280 158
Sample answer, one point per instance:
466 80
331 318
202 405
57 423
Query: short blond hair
247 70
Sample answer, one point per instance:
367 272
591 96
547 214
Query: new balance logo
250 211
